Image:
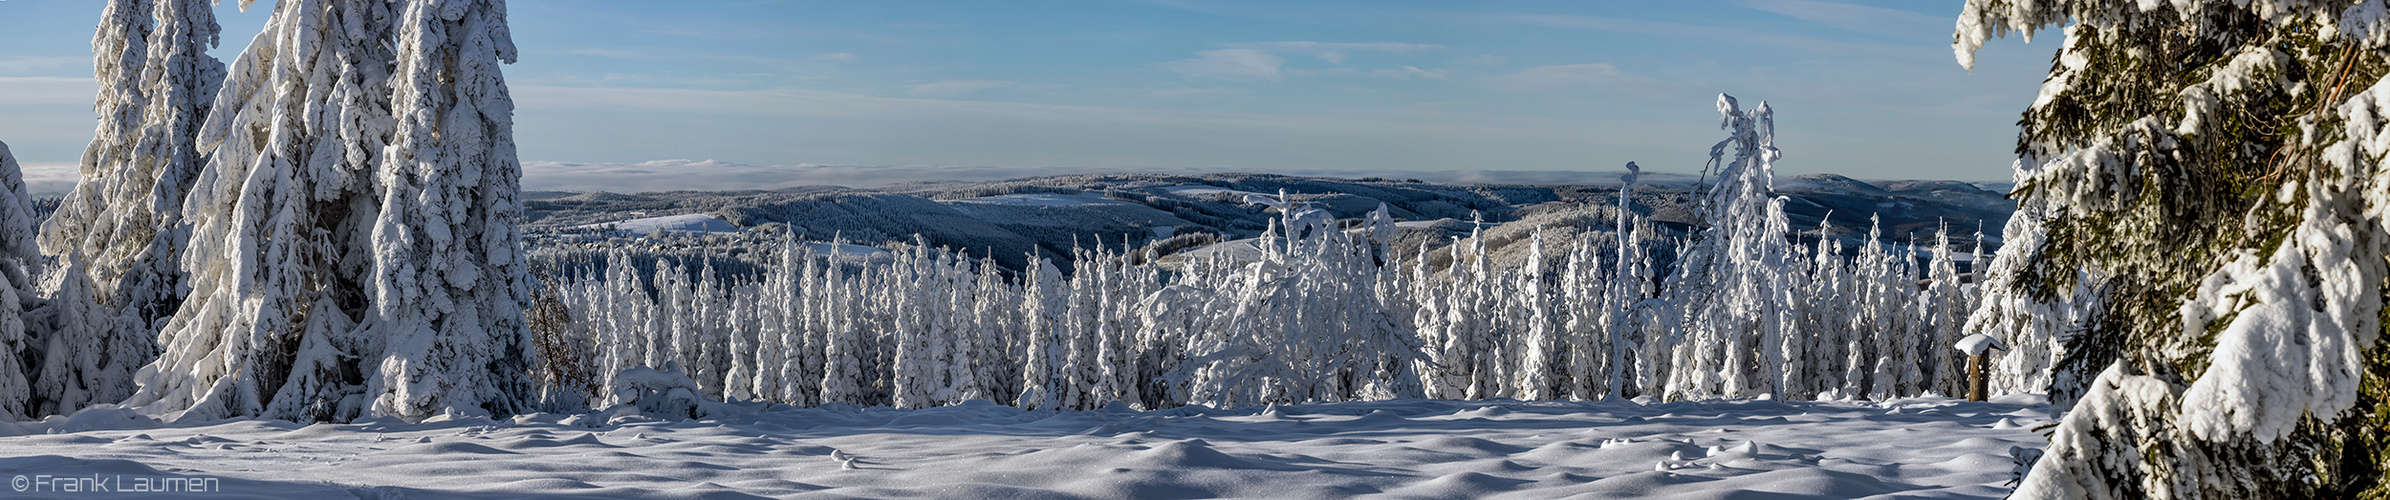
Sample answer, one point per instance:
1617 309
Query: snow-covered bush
662 393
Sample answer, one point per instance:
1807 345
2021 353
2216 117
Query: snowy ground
1925 447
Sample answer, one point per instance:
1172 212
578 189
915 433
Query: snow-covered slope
1927 447
686 223
1047 216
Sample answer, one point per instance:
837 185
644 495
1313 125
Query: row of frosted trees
1323 313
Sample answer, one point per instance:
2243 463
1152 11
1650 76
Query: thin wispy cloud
48 90
951 88
1229 64
1858 18
626 55
1334 52
51 178
1408 72
1174 93
46 118
1679 31
42 65
1601 76
1482 60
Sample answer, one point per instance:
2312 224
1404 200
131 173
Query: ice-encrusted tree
2218 167
353 243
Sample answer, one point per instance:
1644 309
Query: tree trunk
1975 378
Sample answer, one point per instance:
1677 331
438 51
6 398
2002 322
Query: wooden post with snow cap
1979 350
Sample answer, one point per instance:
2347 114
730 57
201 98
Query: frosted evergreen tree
1828 324
295 136
1943 314
1041 351
84 362
844 355
17 348
2031 326
156 83
354 243
1622 280
1533 376
1584 305
2218 167
1730 281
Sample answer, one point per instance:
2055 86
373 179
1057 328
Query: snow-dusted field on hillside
1921 447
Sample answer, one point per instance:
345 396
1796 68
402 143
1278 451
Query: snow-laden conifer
156 83
1730 282
294 137
17 347
353 234
2230 209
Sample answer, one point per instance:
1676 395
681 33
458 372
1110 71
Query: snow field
1405 448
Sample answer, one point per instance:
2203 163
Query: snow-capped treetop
17 252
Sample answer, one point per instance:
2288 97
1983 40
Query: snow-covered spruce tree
1585 333
448 267
1041 351
156 81
1624 285
1942 306
293 135
1534 376
1730 282
17 348
354 244
2219 166
1303 324
1827 321
2029 326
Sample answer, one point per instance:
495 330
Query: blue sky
1862 88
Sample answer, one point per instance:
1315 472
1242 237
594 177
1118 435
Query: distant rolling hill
1010 219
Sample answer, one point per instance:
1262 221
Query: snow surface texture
1924 447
